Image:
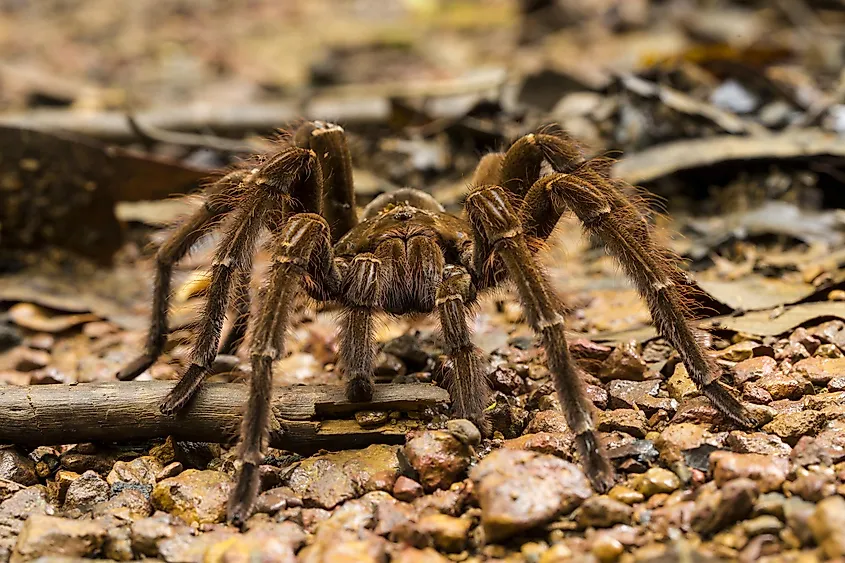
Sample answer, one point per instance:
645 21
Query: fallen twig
311 417
662 160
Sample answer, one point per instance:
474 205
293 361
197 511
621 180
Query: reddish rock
785 386
802 336
631 394
792 426
754 368
560 444
518 490
793 352
768 472
597 395
753 393
407 489
438 458
547 421
820 370
624 362
827 448
718 508
581 348
629 421
757 443
698 410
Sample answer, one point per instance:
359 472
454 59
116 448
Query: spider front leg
219 203
302 248
496 224
290 175
607 213
467 382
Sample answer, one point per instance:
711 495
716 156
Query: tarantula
407 255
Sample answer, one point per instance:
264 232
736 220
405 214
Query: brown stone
194 496
44 535
629 421
518 490
603 512
558 444
782 386
17 467
753 369
768 472
792 426
820 370
718 508
739 351
624 362
406 489
438 458
547 421
828 526
327 480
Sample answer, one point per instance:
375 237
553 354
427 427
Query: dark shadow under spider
407 255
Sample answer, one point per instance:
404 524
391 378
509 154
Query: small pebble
371 419
655 480
625 494
607 548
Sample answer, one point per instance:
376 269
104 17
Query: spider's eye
403 214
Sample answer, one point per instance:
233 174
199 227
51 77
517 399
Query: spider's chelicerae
406 255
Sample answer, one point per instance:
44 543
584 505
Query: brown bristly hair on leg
603 209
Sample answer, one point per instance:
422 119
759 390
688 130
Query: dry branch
311 416
662 160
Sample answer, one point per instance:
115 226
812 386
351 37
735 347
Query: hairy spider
407 255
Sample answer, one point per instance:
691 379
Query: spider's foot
360 389
243 496
595 461
727 402
138 366
187 387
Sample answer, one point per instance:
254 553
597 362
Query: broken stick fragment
311 417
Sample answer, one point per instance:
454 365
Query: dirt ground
729 118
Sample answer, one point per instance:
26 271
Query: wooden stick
115 412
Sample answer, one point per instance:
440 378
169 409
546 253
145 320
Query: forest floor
731 115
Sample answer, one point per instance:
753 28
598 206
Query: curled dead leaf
33 317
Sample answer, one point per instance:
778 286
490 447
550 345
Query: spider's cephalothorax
407 255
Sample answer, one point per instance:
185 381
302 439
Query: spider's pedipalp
328 141
218 204
488 171
362 289
606 212
302 242
425 261
490 213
